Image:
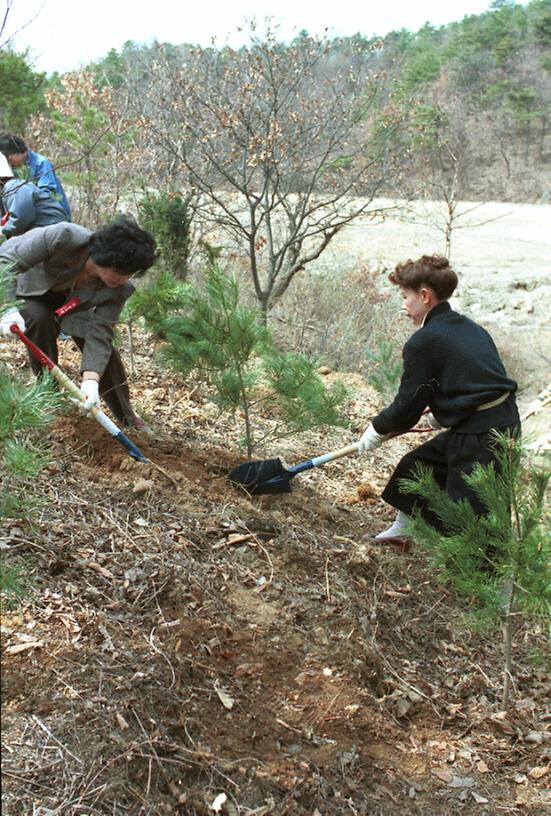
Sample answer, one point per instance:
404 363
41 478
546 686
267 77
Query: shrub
168 216
343 318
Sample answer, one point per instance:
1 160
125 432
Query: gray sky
63 35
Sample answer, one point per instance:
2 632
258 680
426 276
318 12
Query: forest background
472 98
297 161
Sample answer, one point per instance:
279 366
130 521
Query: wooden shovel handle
338 454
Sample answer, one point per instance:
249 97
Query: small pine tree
386 370
304 399
501 559
23 409
152 302
229 346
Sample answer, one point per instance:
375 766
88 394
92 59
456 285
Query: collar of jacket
86 291
440 308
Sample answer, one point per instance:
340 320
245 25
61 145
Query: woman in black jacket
453 368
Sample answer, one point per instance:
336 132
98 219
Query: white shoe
397 529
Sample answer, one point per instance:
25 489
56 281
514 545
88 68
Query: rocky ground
183 648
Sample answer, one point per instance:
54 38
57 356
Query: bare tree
446 211
6 36
444 153
8 6
93 138
283 145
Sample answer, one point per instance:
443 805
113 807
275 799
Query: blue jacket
40 171
28 206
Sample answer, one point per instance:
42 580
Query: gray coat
48 257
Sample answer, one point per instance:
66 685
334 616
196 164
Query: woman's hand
90 390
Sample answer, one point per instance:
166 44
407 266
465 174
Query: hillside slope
184 648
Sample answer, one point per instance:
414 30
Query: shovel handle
42 358
75 391
338 454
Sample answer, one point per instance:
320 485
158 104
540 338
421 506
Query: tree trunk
508 644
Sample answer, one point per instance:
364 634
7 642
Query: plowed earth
182 648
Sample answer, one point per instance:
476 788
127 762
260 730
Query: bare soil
182 648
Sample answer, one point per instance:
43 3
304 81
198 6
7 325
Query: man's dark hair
10 144
123 245
433 271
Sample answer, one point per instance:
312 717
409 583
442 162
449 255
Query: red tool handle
68 307
38 353
73 389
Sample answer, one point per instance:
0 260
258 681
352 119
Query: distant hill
476 93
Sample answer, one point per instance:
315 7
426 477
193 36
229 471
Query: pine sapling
169 216
152 303
384 374
24 409
502 558
229 346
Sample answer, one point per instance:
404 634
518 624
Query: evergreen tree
152 302
502 559
21 91
24 410
228 345
168 216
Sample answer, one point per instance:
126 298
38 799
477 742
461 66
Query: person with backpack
32 166
23 205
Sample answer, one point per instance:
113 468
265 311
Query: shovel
75 391
267 476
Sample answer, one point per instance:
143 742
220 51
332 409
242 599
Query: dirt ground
183 648
180 641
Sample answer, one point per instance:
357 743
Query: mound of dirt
183 648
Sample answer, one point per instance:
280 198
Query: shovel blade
263 476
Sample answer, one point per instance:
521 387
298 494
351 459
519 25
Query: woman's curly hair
433 271
123 245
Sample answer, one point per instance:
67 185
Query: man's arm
41 244
42 172
44 176
100 330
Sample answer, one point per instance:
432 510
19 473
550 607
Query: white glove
433 422
370 440
90 389
8 319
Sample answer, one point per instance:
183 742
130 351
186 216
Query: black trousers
43 329
450 456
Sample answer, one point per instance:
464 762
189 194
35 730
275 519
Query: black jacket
452 366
